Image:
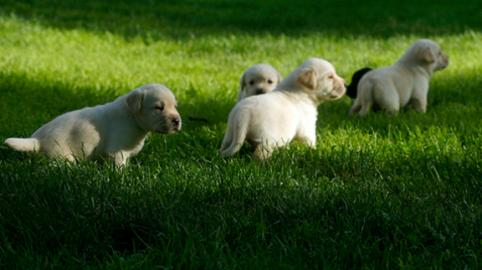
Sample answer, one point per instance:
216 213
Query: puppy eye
331 77
159 108
270 81
251 82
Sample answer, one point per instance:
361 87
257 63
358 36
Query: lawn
378 192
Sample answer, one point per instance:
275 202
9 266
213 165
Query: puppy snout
260 91
341 83
176 122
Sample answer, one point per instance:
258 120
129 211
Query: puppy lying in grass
407 81
114 130
258 79
274 119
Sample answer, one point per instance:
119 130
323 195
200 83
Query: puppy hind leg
364 102
419 105
365 108
393 111
355 108
389 101
308 137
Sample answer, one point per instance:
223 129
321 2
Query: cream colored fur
406 82
115 130
258 79
289 112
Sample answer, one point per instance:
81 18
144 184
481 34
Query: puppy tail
23 144
235 135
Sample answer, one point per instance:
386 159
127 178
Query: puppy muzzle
176 123
446 62
260 91
172 125
338 92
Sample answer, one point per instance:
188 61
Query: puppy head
318 79
258 79
154 108
428 53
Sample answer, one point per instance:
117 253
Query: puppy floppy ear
279 77
134 101
242 82
425 54
307 78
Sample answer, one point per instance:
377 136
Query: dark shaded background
184 18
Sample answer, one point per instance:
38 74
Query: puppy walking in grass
115 130
407 81
258 79
274 119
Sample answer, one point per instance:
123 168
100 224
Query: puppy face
441 60
259 79
319 79
429 53
154 107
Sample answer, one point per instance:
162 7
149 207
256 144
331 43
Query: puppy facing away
352 89
405 82
274 119
258 79
114 130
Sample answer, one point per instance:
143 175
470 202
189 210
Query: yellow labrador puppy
114 130
407 81
289 112
258 79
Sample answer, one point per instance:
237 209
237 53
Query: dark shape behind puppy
352 89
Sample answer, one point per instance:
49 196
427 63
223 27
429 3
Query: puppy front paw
418 105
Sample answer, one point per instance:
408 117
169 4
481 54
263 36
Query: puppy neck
131 119
415 67
300 96
291 87
141 127
409 61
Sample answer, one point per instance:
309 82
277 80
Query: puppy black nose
259 91
176 121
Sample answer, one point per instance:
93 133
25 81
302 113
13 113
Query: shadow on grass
176 198
187 18
300 212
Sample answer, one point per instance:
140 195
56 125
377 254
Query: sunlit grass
378 192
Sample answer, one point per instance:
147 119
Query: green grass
379 192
